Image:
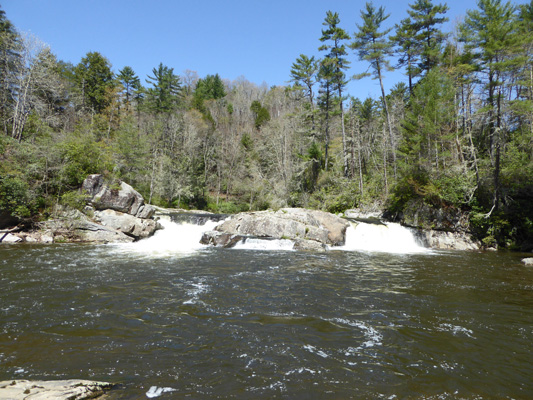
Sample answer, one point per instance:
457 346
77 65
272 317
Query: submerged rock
74 389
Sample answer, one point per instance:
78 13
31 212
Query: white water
184 239
173 239
388 237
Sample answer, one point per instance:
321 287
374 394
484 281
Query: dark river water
249 324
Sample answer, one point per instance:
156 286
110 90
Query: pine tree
304 76
425 19
10 66
130 82
94 78
407 48
492 34
325 102
333 37
165 94
374 47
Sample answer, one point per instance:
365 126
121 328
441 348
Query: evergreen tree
333 37
165 94
130 83
10 67
372 46
304 76
407 48
210 88
492 34
425 19
261 114
325 102
94 78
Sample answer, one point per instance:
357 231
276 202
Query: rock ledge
74 389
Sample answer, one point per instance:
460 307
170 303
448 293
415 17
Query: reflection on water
261 324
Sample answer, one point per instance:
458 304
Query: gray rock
137 228
119 197
318 228
528 261
447 240
309 245
52 390
220 239
74 226
146 211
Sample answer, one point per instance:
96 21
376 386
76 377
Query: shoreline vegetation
449 149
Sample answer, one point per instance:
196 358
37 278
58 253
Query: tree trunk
386 107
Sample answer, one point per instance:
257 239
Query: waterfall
383 237
175 238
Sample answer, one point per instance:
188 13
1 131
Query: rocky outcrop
445 228
446 240
115 213
309 229
118 196
74 389
70 225
137 228
417 214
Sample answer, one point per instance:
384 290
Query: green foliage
442 190
15 197
130 82
334 194
210 88
165 94
74 199
227 207
94 77
262 115
81 156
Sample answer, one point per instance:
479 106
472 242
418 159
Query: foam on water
387 237
262 244
158 391
173 239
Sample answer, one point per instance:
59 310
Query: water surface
226 323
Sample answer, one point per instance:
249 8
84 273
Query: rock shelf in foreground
74 389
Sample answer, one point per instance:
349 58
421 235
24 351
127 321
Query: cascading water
174 238
384 237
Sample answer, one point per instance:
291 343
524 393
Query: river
205 323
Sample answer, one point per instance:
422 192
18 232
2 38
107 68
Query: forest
455 134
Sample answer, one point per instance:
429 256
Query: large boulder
70 225
309 229
74 389
138 228
118 196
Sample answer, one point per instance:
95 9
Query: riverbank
114 212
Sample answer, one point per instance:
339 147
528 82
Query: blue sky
256 39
